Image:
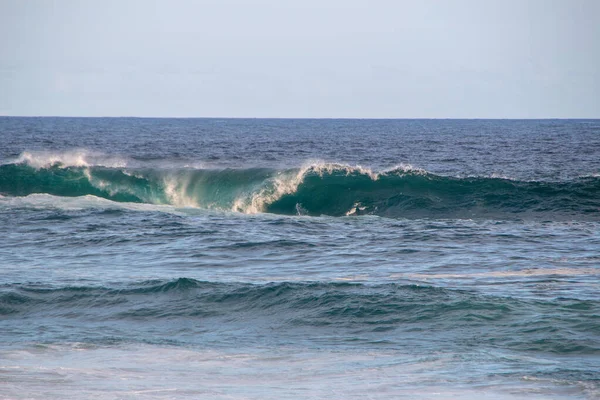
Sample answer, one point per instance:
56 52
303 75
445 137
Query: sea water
295 259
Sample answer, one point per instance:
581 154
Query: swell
318 189
387 311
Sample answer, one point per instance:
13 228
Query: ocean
299 259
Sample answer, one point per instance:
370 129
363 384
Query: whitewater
291 259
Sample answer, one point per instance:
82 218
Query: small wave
529 272
594 175
375 309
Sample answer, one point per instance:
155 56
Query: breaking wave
316 189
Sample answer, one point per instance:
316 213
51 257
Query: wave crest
70 158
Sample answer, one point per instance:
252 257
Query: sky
301 59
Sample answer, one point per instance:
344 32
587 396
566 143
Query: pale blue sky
310 58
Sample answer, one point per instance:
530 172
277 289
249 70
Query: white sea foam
69 158
329 168
175 189
357 207
161 372
89 158
592 175
497 175
528 272
48 201
405 169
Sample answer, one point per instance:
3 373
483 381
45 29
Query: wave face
319 189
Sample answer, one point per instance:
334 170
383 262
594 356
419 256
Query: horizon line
306 118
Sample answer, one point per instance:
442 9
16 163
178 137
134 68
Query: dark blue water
232 258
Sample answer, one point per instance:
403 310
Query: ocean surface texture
299 259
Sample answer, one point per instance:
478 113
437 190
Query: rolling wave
371 309
317 189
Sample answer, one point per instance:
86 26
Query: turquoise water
298 259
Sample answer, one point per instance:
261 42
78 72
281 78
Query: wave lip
316 189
